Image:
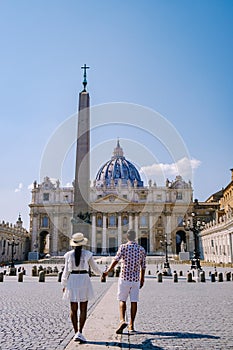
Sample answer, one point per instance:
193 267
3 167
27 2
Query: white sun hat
78 239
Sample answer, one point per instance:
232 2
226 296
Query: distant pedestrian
77 287
133 265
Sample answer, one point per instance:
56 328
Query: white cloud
19 188
30 187
161 171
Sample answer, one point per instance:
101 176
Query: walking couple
77 287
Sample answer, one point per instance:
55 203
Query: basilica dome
118 170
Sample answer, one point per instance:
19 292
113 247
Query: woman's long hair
77 254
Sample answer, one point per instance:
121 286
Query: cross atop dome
118 151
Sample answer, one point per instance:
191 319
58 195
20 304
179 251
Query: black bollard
175 277
228 276
59 276
202 276
20 276
1 276
160 277
189 277
42 276
118 270
212 277
34 271
220 277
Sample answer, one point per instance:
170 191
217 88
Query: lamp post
166 265
12 244
195 226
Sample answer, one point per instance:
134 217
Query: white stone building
118 201
216 240
10 233
217 237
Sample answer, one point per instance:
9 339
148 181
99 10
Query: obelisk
81 213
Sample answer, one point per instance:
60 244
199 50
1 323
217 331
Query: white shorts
126 288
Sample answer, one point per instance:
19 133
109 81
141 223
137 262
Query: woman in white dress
76 283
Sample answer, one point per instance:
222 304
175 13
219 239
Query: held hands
103 277
105 274
141 282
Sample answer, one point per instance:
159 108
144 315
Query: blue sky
173 57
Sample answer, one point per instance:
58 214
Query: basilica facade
119 200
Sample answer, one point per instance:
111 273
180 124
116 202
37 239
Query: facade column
54 237
93 232
35 232
130 221
104 237
136 226
19 250
119 232
168 232
151 226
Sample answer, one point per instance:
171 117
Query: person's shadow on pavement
147 344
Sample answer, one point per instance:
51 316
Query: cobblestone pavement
170 315
34 316
184 316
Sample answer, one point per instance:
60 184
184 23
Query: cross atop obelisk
82 168
84 76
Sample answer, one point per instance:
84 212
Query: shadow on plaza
152 336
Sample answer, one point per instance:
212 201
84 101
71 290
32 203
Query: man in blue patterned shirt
133 265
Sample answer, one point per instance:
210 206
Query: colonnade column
221 244
230 248
93 232
104 237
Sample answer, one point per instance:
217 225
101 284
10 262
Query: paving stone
187 316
